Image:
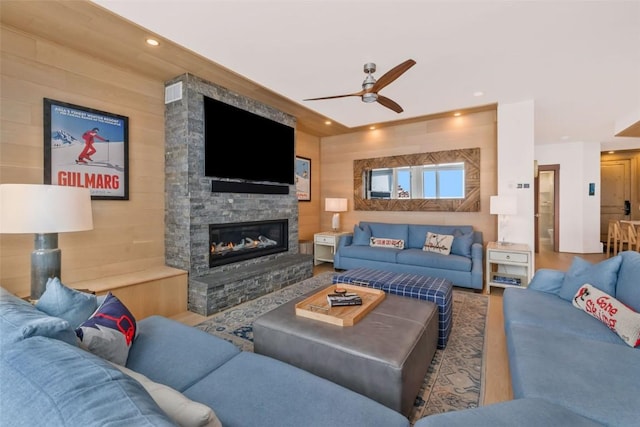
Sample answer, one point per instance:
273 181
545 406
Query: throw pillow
184 411
462 243
109 332
361 235
439 243
20 320
69 304
617 316
383 242
602 275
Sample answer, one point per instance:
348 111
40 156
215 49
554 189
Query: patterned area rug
454 379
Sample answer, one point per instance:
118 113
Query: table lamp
335 206
45 210
503 206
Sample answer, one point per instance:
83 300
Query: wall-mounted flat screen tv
243 145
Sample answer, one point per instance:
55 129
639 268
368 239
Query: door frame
556 206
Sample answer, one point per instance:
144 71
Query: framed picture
89 148
303 179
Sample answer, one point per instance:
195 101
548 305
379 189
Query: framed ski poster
88 148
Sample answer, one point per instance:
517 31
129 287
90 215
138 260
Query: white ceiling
579 61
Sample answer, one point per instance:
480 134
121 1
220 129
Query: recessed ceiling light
372 128
478 93
152 42
611 152
457 114
327 122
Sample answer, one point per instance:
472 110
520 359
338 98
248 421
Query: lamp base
335 222
45 262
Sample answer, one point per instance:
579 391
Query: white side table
508 265
325 245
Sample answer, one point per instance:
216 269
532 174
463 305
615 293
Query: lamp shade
36 208
335 205
503 205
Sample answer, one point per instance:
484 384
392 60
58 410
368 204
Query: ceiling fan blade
392 74
336 96
390 104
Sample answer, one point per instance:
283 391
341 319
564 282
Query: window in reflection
434 181
440 181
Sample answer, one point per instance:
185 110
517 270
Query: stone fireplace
193 204
245 240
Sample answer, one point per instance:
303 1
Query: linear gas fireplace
244 240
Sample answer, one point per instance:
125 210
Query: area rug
454 378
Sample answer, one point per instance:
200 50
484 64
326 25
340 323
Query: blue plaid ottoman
434 289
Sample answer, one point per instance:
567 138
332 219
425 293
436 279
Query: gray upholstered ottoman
384 356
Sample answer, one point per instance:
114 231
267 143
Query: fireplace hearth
245 240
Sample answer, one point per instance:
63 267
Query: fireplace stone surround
191 206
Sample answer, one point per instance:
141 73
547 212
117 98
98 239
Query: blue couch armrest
342 242
477 265
547 280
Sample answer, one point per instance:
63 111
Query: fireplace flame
246 243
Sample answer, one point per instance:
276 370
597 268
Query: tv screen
243 145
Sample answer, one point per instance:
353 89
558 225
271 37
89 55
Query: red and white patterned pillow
618 317
383 242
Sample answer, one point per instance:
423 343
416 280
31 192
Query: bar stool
614 236
628 235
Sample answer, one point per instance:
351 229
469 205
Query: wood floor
497 380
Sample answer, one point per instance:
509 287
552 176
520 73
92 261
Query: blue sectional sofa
464 265
567 366
47 380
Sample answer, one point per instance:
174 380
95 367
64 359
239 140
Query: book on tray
346 299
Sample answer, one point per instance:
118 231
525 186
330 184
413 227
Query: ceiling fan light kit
371 86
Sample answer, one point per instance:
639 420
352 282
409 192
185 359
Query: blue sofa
567 367
463 266
47 380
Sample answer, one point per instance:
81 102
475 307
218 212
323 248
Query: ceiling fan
371 86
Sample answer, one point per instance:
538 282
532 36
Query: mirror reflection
438 181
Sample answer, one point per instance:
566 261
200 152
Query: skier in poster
89 137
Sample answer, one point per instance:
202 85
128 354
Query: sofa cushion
371 254
547 280
593 378
628 286
180 408
48 382
69 304
549 311
361 235
438 243
434 260
150 355
462 243
109 332
602 275
527 412
617 316
256 379
383 242
20 319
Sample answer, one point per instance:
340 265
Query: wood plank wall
467 131
128 235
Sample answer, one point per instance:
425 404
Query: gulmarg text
88 180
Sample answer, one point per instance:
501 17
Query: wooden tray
316 306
